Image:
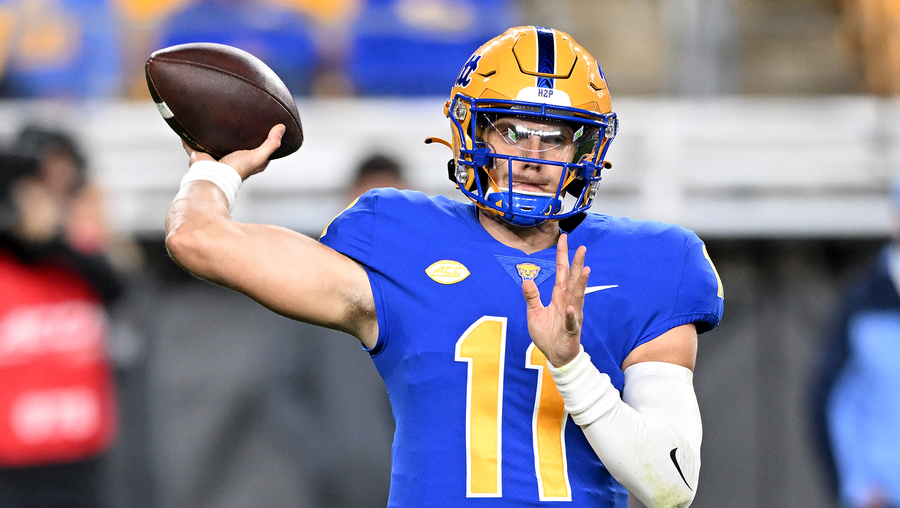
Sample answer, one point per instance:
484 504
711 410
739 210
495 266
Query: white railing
735 167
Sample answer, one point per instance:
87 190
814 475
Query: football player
517 374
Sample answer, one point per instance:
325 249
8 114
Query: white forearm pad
222 175
651 444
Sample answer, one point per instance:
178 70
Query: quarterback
534 353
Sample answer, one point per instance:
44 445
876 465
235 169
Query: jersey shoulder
639 234
380 218
670 258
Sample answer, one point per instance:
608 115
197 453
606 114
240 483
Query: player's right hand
556 328
245 162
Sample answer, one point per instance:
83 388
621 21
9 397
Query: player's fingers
562 260
272 142
532 296
581 283
262 153
576 298
194 154
274 137
575 270
250 162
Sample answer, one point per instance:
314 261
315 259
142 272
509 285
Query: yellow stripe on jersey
721 292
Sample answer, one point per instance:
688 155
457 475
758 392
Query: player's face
532 139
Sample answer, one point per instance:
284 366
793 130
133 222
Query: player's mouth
530 186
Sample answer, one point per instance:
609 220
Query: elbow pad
650 442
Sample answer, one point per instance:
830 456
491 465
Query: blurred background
770 127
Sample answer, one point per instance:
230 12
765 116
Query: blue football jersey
479 421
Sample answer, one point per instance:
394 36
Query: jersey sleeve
700 296
351 232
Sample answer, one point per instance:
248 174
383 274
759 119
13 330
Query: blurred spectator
61 49
57 403
376 171
857 398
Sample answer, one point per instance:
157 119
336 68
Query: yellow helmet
538 74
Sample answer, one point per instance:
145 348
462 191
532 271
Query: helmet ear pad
575 187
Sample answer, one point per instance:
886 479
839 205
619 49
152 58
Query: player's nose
526 166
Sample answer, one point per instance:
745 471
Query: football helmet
557 92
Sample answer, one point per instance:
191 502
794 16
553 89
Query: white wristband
587 392
222 175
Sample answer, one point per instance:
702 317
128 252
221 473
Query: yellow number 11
483 347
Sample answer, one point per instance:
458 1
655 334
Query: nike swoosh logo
599 288
675 461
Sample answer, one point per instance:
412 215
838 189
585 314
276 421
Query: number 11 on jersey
483 347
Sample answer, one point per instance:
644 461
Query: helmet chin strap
524 202
543 204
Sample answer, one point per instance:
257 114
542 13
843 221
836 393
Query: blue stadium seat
417 47
280 37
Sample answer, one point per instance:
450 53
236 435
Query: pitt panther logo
465 74
446 271
528 271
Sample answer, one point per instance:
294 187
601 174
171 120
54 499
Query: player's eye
554 140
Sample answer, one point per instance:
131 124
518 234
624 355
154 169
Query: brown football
220 99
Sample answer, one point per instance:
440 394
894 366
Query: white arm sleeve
650 442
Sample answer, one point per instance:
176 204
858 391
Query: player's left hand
556 328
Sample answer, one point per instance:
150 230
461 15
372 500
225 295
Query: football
220 99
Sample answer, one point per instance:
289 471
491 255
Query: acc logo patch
528 271
446 271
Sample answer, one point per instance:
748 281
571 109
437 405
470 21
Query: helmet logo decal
602 76
546 56
465 74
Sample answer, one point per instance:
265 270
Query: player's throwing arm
226 104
